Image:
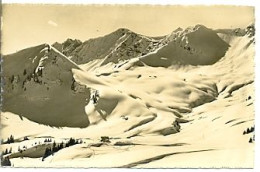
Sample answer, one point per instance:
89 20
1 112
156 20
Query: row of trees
56 147
5 161
72 142
7 151
47 140
51 151
249 130
9 140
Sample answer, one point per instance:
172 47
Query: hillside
185 100
193 46
39 85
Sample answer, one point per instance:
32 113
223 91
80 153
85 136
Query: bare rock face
39 85
68 46
115 47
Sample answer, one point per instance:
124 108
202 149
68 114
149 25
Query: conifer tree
10 150
5 161
11 139
24 72
248 130
6 151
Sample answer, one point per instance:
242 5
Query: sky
30 25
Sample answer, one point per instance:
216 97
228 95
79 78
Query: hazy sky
28 25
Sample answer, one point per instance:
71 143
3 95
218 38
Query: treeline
51 151
250 130
56 147
47 140
9 140
7 151
5 161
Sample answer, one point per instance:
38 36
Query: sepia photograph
127 86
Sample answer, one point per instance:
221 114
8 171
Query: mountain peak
122 30
69 40
197 27
178 29
250 30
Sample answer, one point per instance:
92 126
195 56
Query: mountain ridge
40 89
125 45
48 71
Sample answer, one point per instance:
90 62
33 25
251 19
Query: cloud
52 23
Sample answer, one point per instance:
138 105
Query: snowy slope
195 46
173 107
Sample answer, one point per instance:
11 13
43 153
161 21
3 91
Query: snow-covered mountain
196 45
152 100
115 47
